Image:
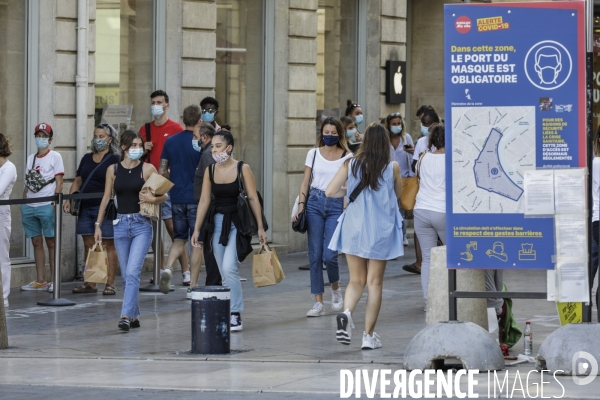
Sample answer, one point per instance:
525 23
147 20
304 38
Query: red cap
44 127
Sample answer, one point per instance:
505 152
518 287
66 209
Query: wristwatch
97 223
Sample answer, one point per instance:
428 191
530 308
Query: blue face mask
208 117
424 130
196 146
135 154
330 140
351 133
42 143
359 119
396 129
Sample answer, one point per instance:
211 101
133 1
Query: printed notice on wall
569 189
538 186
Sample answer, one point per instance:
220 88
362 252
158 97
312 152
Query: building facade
275 66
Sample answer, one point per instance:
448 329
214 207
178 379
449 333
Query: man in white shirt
43 178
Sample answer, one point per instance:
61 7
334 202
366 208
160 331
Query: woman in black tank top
219 219
133 232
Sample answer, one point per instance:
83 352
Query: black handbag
76 203
110 212
301 223
248 224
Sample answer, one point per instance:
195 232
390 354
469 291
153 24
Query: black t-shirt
96 183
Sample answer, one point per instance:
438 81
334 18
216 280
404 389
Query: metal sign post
56 301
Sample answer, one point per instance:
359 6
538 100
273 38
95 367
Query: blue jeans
226 257
133 236
322 214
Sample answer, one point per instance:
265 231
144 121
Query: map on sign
491 147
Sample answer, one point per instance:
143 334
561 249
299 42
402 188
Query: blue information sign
514 101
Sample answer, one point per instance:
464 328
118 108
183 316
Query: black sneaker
124 324
235 322
135 323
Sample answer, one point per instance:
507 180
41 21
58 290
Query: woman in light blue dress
369 231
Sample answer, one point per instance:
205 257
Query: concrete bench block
473 310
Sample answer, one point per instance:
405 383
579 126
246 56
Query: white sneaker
317 310
371 342
165 281
186 278
5 303
188 295
337 300
344 325
405 241
51 287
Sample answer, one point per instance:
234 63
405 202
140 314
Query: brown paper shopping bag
157 185
266 268
96 270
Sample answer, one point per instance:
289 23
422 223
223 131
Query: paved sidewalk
280 350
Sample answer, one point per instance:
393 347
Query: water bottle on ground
528 339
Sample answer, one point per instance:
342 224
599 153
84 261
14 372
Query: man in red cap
43 177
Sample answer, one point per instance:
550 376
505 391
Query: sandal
412 268
109 290
85 288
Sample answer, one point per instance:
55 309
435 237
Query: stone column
199 43
392 47
295 109
56 100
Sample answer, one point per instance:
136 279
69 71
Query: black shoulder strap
312 168
343 154
106 157
148 132
356 192
211 169
240 176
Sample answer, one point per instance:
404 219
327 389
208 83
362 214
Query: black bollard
210 320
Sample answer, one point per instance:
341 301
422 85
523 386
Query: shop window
124 57
337 23
12 103
239 77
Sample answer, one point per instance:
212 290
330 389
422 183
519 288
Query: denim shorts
86 223
38 221
166 209
184 219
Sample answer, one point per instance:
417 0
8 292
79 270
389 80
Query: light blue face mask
195 145
396 129
424 130
359 119
135 154
42 143
208 117
350 133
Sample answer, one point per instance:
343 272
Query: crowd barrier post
158 254
56 300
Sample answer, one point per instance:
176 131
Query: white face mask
157 111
